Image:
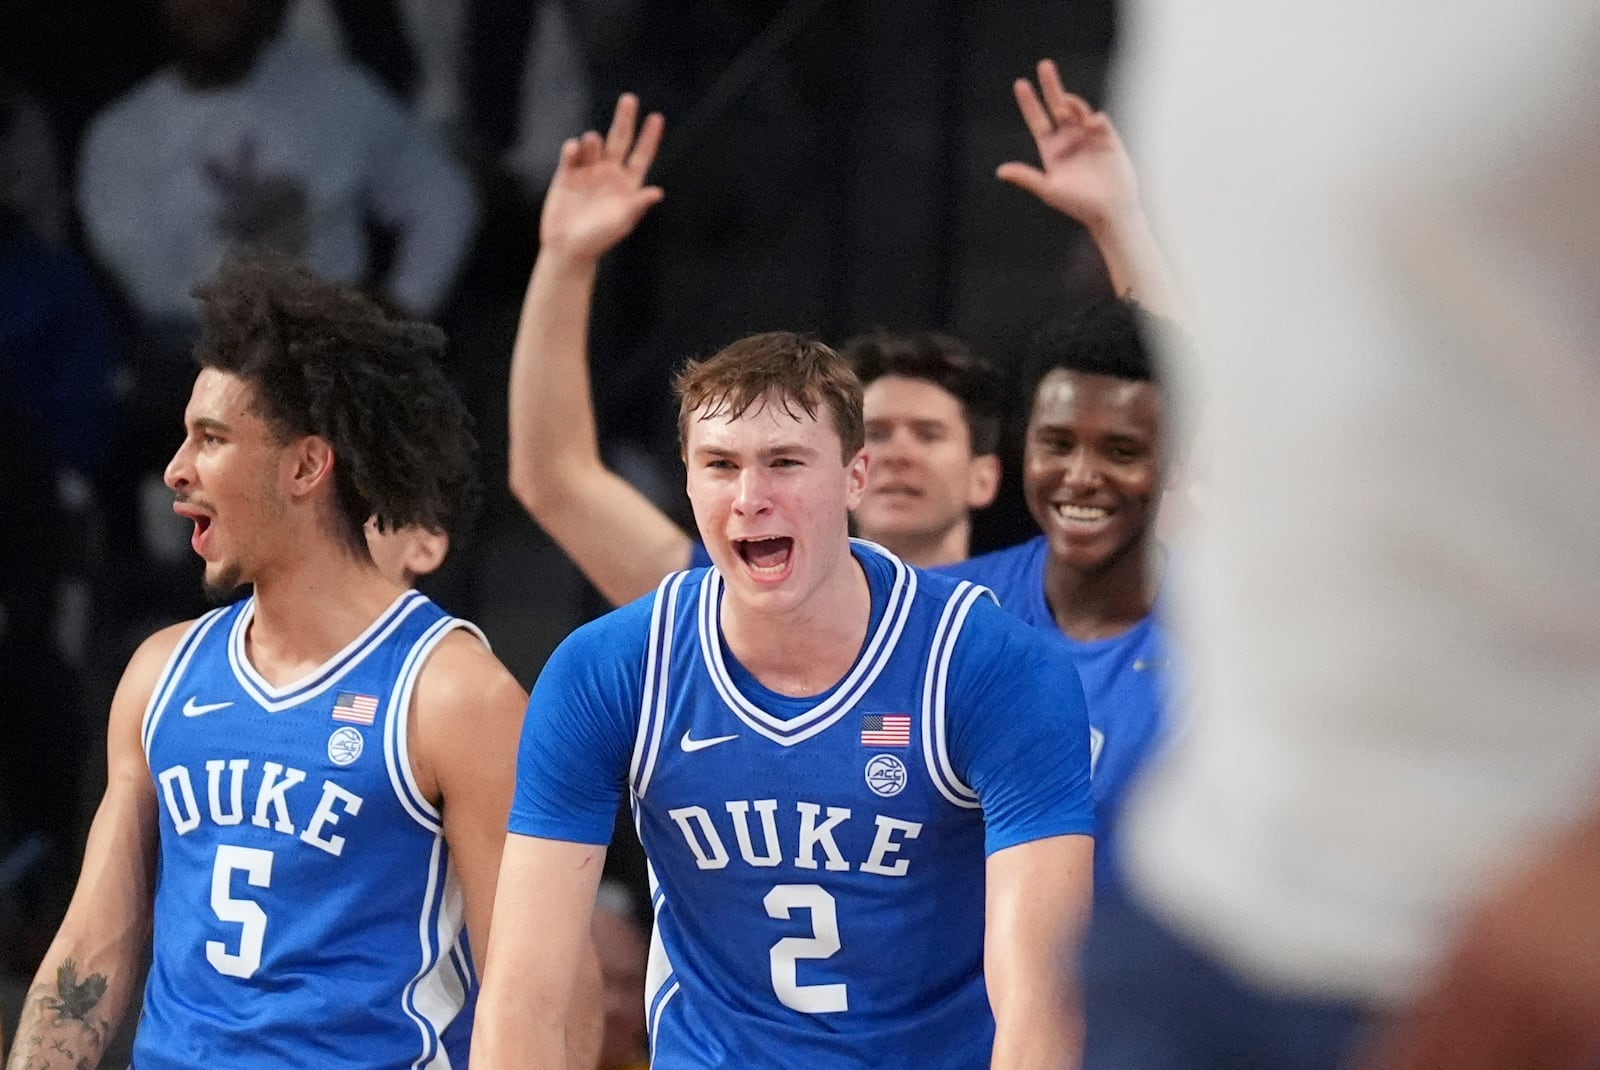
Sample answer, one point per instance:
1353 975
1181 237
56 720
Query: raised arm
1038 905
88 975
616 535
1086 174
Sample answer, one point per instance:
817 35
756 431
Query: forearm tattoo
63 1026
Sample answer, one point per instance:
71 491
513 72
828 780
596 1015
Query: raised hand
1086 173
598 193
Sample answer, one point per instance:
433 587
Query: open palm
1085 172
598 193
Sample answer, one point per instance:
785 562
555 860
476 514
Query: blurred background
828 167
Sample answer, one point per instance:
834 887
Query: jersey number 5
256 865
810 999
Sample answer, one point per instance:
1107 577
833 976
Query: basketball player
1093 469
307 788
1092 477
864 789
933 422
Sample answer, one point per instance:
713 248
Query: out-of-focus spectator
250 138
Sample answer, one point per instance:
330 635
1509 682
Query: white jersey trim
396 738
874 659
433 997
275 699
171 673
657 674
935 748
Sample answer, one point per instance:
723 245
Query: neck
310 608
833 621
932 550
1105 602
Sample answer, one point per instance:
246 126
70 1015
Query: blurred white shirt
150 200
1387 219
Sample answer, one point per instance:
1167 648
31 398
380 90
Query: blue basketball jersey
1126 678
817 864
306 910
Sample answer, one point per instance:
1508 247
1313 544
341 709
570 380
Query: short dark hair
943 360
1108 337
326 360
778 367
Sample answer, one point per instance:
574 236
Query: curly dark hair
1106 337
942 360
329 361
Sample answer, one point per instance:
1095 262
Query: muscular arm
86 980
1086 175
530 993
616 535
1038 904
467 716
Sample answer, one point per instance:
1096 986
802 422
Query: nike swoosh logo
191 709
691 745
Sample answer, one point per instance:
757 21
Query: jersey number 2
256 865
809 999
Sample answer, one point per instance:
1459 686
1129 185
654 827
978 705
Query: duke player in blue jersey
1092 480
863 788
1093 472
307 787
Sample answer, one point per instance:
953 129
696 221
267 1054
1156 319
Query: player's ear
858 480
983 481
425 552
310 462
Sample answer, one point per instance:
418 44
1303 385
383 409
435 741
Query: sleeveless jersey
1127 680
306 911
817 864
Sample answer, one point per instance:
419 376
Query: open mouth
202 522
766 557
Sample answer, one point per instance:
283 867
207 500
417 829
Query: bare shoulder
144 669
462 679
466 706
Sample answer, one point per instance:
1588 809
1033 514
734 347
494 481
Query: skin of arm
1087 176
617 536
1520 983
468 707
1037 907
87 978
529 998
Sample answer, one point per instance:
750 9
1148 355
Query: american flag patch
357 709
886 730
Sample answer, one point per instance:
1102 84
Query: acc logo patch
886 775
344 746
